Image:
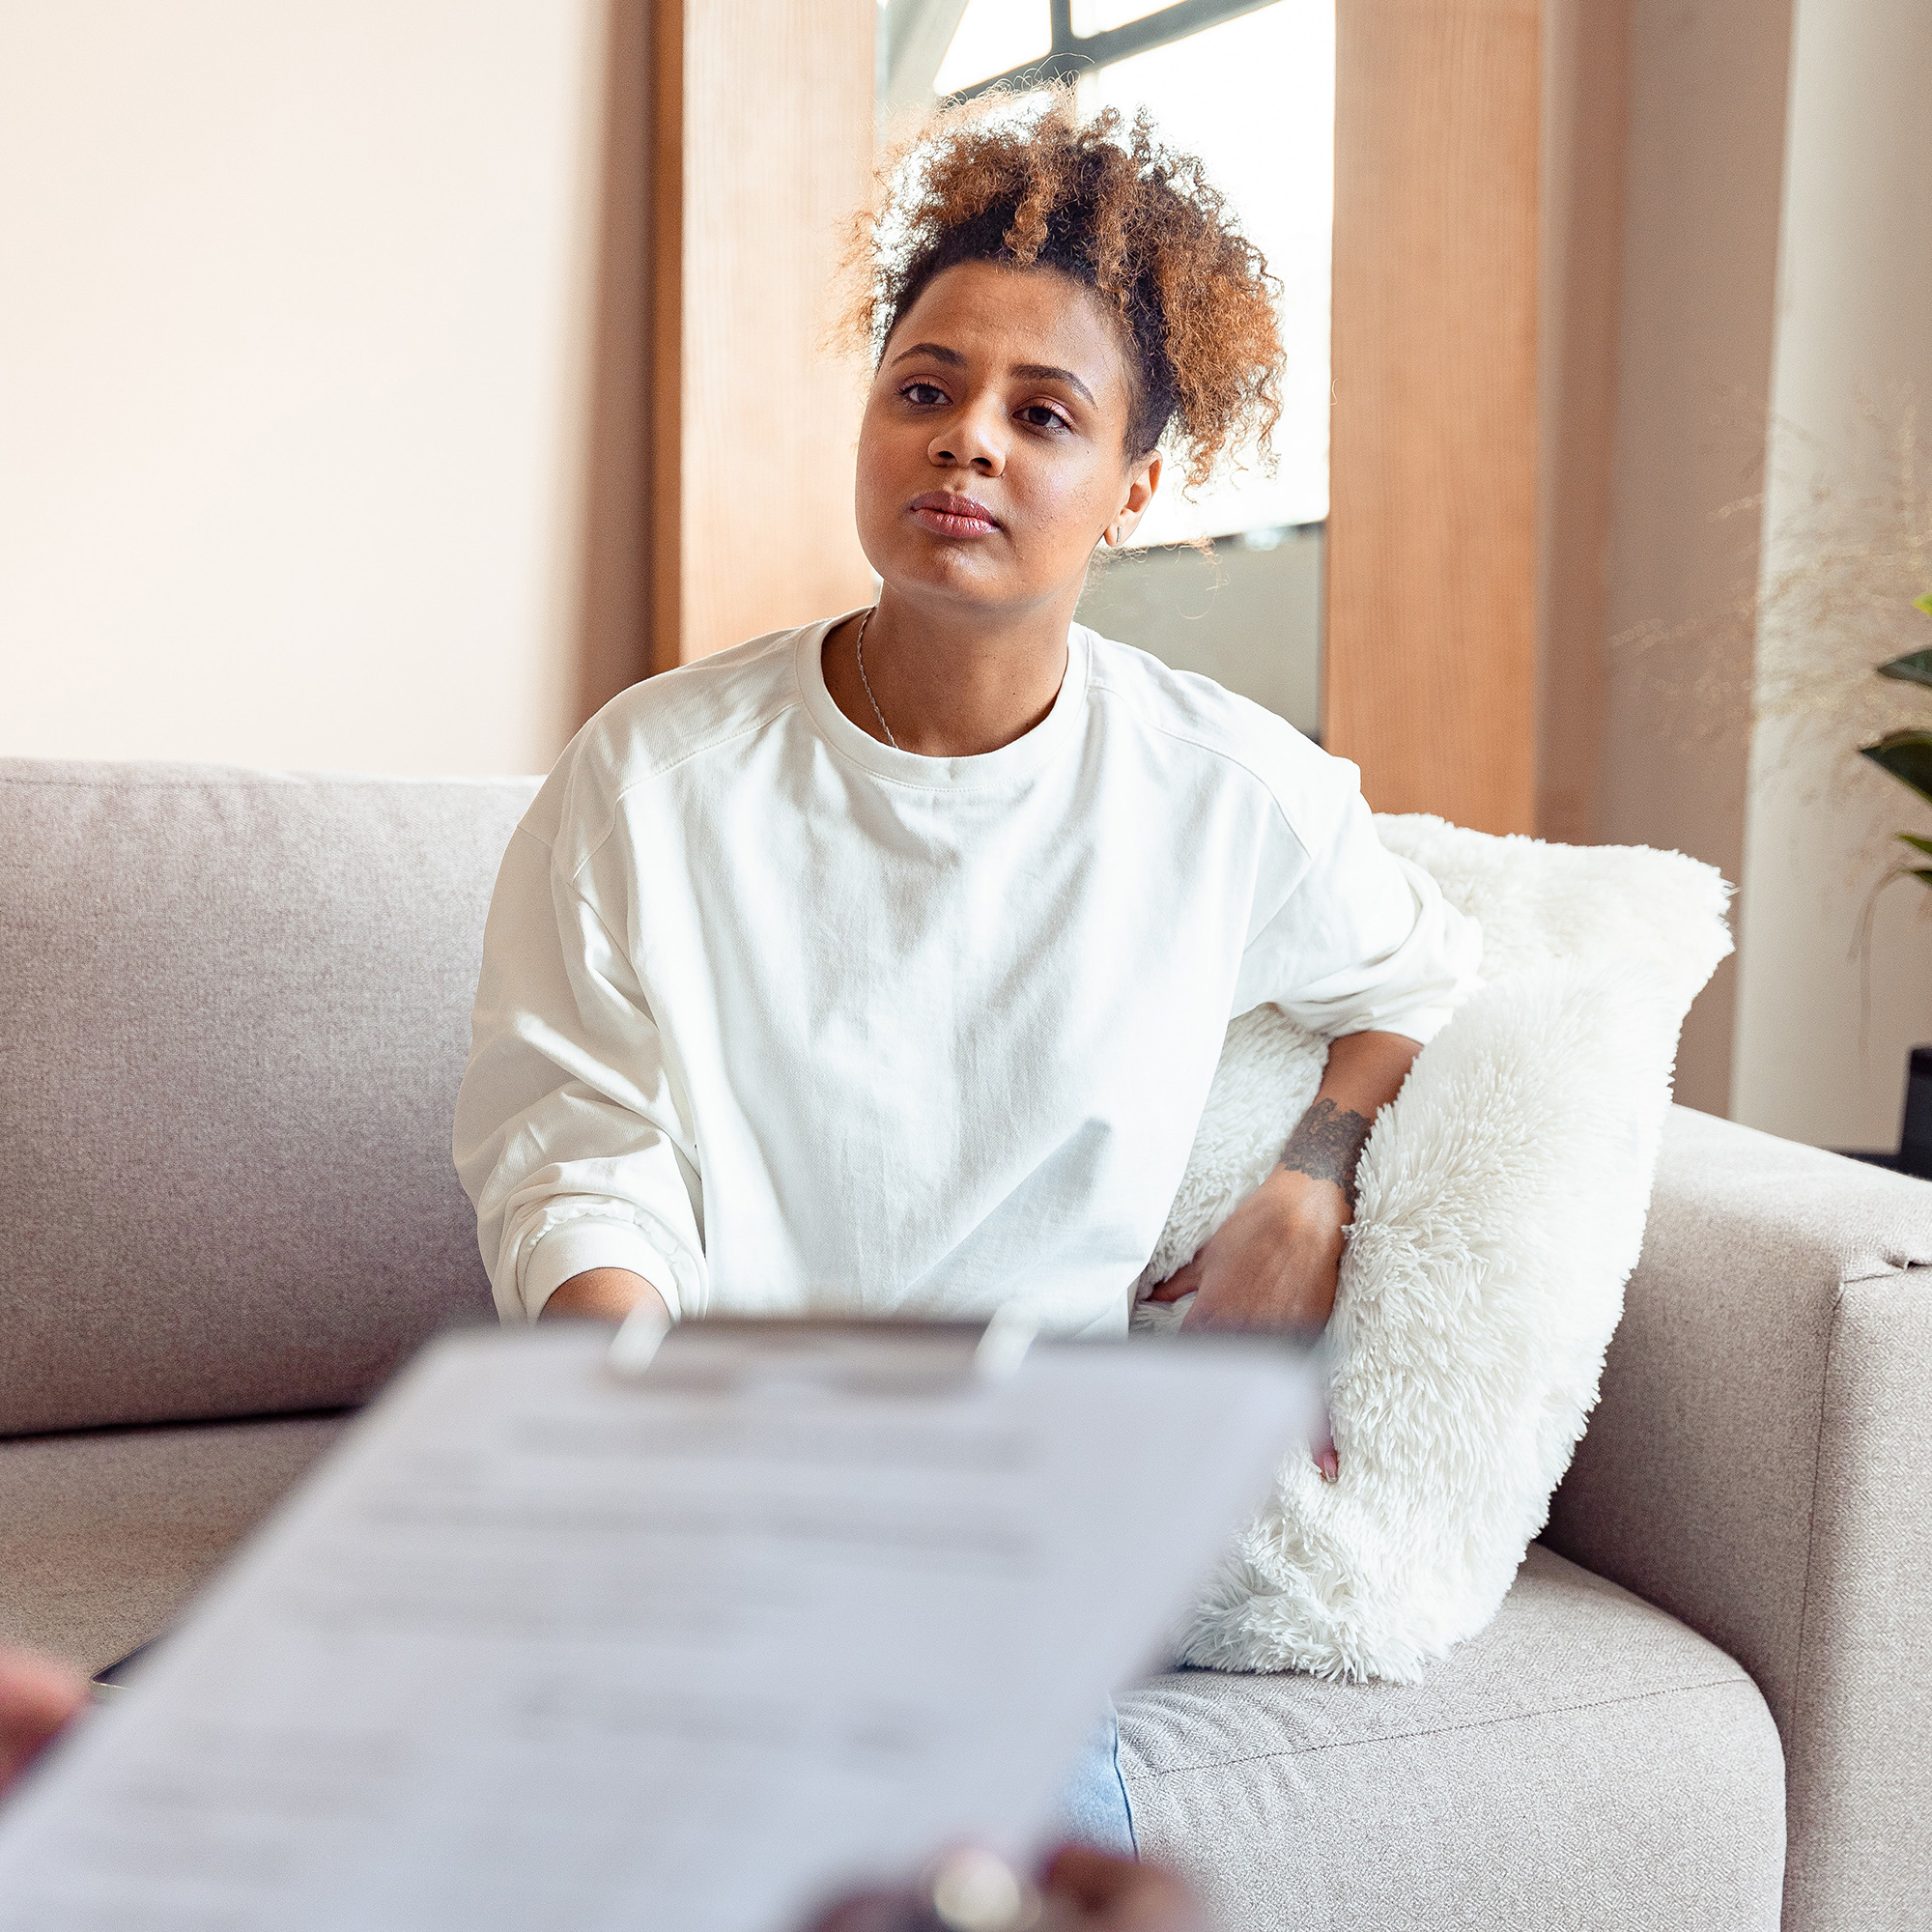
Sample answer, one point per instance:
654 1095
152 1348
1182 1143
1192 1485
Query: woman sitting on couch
880 967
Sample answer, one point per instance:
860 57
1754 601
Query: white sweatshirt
791 1022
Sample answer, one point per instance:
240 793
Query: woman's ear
1143 480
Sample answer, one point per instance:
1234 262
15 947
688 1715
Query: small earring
1113 536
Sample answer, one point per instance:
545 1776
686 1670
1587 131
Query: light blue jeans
1094 1807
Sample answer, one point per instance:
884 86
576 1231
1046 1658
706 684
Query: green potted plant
1908 755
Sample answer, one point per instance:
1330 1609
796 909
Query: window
1250 89
1249 86
1255 98
994 37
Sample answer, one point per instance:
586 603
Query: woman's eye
1043 415
923 395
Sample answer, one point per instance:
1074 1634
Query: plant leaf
1924 602
1908 757
1914 667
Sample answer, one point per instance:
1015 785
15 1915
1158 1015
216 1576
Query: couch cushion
105 1534
234 1011
1585 1761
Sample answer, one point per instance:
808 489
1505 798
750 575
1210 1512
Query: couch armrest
1760 1464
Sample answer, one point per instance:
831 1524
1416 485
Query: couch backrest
234 1011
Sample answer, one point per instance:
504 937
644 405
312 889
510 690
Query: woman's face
993 453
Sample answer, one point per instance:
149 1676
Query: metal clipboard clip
885 1357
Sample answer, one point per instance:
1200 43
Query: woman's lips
949 516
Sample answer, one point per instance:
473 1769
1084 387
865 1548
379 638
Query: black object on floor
1915 1134
1914 1138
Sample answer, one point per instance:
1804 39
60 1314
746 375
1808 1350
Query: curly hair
1106 204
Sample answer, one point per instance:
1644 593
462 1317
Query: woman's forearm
1365 1072
1274 1262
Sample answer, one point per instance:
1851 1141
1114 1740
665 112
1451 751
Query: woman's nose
967 442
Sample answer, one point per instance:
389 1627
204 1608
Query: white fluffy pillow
1501 1207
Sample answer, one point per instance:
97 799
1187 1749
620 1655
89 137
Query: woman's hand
1272 1264
1277 1259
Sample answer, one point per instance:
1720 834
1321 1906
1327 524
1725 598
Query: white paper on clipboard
539 1646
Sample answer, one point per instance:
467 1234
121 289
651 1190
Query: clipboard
688 1635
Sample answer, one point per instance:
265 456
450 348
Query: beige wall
1694 325
1854 331
1773 290
294 332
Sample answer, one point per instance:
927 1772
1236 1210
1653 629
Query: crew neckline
1025 755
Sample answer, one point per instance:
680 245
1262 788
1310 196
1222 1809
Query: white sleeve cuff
569 1250
1421 1024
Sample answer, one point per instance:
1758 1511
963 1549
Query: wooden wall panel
777 147
663 421
613 617
1430 676
627 614
1586 133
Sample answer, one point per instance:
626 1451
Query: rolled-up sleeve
570 1138
1364 940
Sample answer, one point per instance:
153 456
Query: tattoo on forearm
1327 1145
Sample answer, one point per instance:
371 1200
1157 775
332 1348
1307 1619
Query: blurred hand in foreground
1079 1890
38 1699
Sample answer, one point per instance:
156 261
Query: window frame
1073 54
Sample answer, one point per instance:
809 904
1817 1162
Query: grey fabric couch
233 1013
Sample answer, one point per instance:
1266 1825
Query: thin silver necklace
859 646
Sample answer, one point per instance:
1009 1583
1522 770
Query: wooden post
762 148
1429 675
663 420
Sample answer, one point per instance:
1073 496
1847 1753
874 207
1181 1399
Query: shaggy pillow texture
1501 1210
